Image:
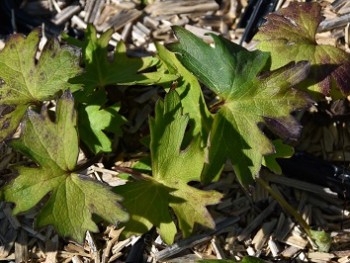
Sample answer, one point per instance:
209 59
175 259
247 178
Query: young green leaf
95 120
289 35
101 71
71 199
281 151
189 89
322 239
26 81
173 168
248 98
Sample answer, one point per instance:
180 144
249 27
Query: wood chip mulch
247 224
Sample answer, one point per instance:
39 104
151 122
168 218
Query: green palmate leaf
26 81
281 151
95 120
247 100
190 92
148 200
101 71
289 34
71 198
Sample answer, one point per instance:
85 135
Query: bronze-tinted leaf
25 81
290 35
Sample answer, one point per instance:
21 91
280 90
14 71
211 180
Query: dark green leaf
190 92
249 97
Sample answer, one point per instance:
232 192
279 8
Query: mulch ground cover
246 223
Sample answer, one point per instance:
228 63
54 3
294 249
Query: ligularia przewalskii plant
188 142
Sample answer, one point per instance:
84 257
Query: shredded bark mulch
246 223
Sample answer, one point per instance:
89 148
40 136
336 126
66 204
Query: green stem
214 108
134 174
284 204
88 163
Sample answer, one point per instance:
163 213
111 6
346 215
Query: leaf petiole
284 204
318 239
135 174
87 164
214 108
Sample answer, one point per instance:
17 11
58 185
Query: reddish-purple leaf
289 35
